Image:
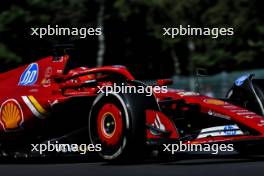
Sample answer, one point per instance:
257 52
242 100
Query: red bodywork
223 109
51 87
24 99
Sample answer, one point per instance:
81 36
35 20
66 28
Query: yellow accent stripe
37 105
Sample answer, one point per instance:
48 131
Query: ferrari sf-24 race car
50 100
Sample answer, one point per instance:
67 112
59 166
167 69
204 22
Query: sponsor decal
34 90
30 75
241 80
48 72
226 130
212 113
157 124
182 94
230 130
245 113
214 102
47 81
34 106
239 110
52 103
230 107
11 115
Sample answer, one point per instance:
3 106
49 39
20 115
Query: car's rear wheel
117 122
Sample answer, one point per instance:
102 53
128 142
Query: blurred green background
133 34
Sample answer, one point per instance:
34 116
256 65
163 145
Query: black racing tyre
117 122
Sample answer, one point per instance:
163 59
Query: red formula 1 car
49 100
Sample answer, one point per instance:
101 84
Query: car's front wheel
117 122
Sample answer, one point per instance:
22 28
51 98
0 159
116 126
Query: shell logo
11 115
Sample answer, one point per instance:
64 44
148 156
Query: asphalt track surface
190 165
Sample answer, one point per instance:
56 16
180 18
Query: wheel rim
110 124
